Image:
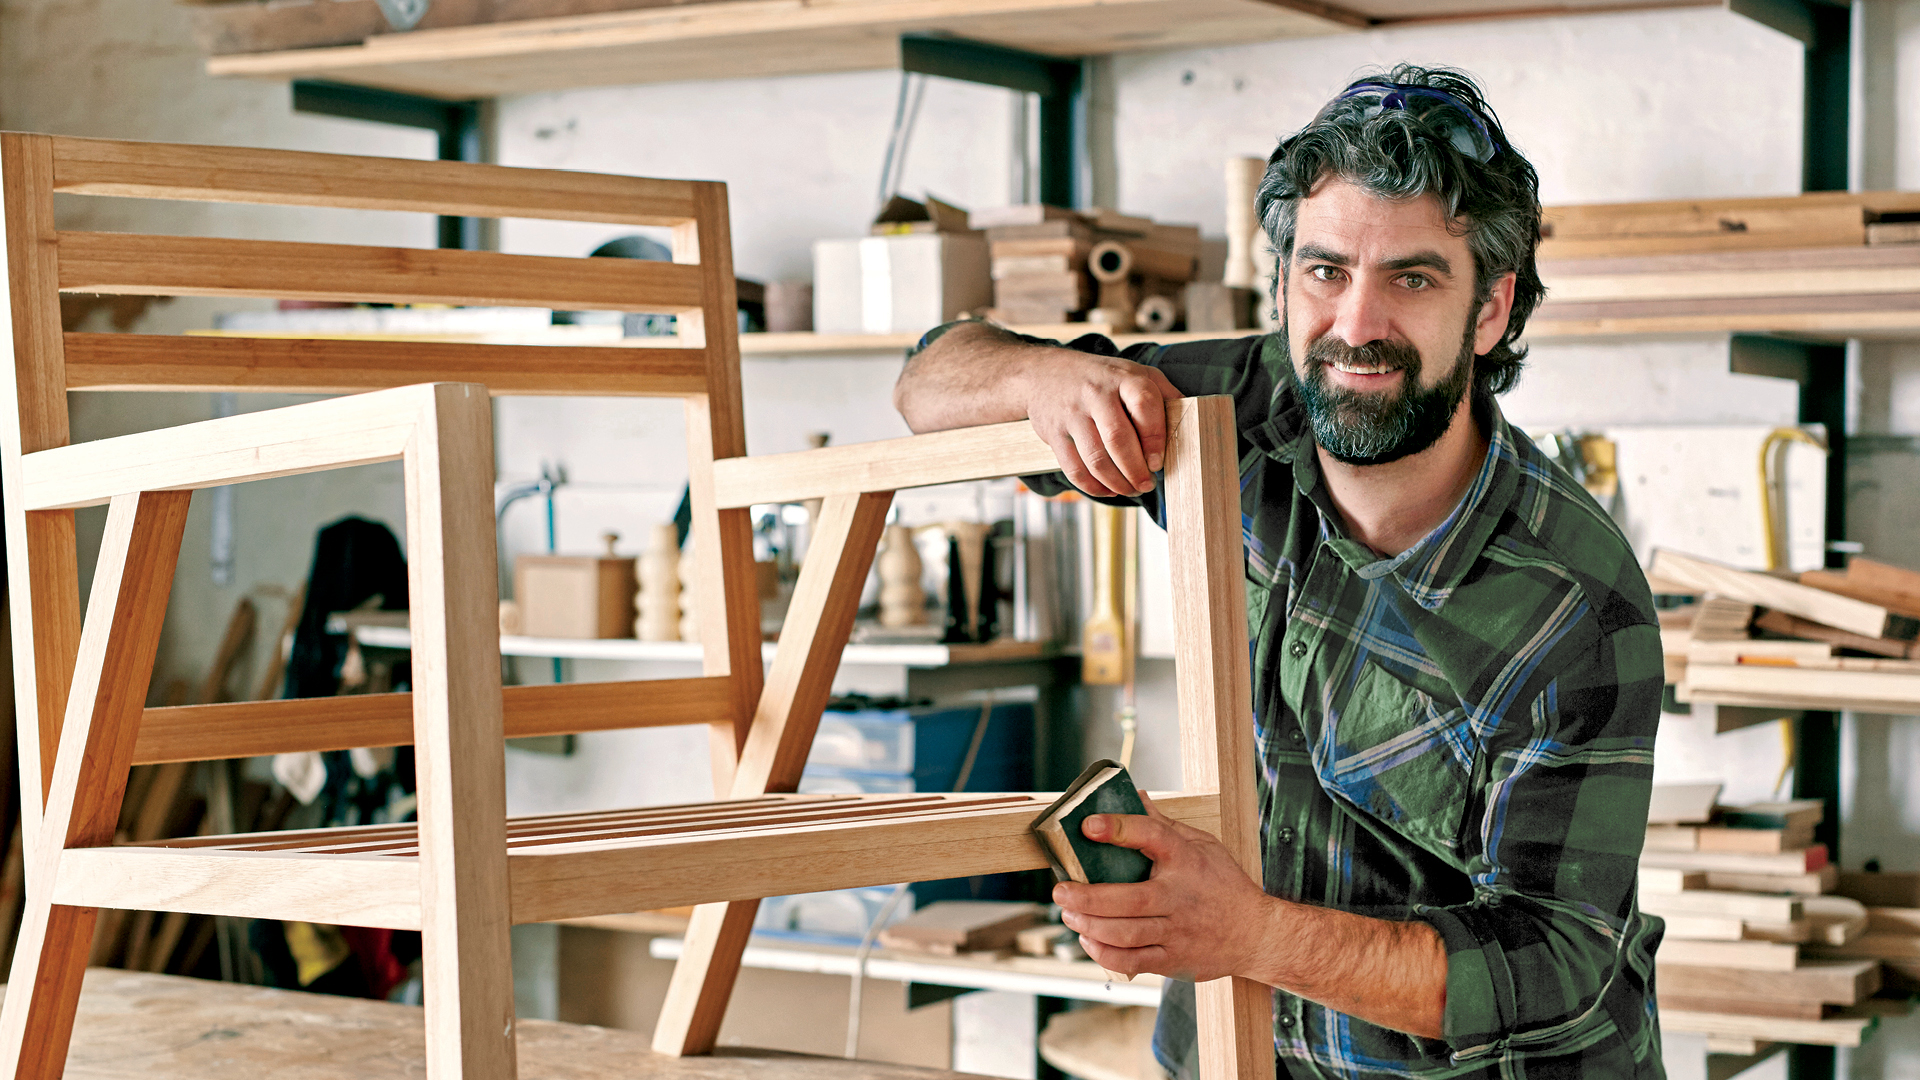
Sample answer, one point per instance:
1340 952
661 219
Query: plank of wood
1705 218
1845 585
1736 262
1807 684
1732 905
1672 838
252 728
1797 932
943 457
1894 581
1881 888
1805 860
314 365
947 927
1768 316
1809 884
1839 235
1744 956
1836 920
1734 652
466 960
1781 814
1683 803
1831 982
1840 612
1754 841
1720 618
1780 622
1072 248
1893 920
133 264
357 430
1211 672
1026 214
1838 1031
1702 928
1751 283
1873 945
703 978
42 564
1894 232
133 578
1744 1005
149 170
1659 879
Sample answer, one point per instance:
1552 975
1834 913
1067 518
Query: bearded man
1456 662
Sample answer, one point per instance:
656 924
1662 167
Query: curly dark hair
1406 152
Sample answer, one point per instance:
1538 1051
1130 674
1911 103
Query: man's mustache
1394 355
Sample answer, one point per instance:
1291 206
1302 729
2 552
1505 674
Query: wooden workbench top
164 1027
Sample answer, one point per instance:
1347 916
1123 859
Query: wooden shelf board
629 649
759 38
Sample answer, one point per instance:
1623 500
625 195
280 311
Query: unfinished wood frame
466 872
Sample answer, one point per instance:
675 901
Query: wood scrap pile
1747 897
1053 266
1829 260
1892 933
1825 640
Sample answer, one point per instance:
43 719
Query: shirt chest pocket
1398 756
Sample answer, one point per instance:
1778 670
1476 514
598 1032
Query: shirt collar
1430 569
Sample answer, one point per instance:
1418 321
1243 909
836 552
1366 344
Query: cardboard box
898 284
575 596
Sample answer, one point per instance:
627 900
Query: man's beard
1361 428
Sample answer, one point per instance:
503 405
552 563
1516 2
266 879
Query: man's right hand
1105 417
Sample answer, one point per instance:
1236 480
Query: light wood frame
465 872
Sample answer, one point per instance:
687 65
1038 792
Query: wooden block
1732 905
1745 956
1881 889
1073 248
1058 228
1797 932
1703 928
1213 307
1775 815
1658 879
946 927
1682 804
1894 232
1038 940
1745 1049
1893 920
1719 618
1745 1006
1114 221
1069 289
1801 861
1844 585
575 596
1835 920
1809 884
1840 612
1672 838
1754 841
1894 581
1830 982
1014 266
1780 622
1837 1031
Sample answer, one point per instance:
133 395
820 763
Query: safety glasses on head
1460 121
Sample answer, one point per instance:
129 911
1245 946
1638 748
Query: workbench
166 1027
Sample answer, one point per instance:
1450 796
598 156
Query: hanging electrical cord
893 899
906 110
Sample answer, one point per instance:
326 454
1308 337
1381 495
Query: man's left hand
1198 916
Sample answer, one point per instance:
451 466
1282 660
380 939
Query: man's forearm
1393 974
972 374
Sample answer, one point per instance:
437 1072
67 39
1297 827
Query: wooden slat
354 890
1839 1031
42 566
1215 696
357 430
150 170
1901 692
318 365
138 554
253 728
943 457
1840 612
135 264
551 884
459 738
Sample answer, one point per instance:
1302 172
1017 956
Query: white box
898 284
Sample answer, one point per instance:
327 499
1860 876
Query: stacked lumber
1824 641
1051 265
1822 261
1892 934
1746 895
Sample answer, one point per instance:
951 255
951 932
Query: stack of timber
1819 262
1825 640
1746 895
1053 266
1892 934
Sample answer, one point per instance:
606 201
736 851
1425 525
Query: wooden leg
703 978
459 744
111 674
1215 694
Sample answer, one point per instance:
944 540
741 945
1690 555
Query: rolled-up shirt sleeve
1532 957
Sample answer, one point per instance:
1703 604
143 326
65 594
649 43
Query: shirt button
1286 1021
1285 835
1296 736
1297 649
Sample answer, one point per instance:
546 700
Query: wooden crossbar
354 890
253 728
357 430
142 265
322 366
148 170
943 457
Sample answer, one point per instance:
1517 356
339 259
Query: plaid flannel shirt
1462 733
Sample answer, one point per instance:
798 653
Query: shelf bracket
455 123
1057 82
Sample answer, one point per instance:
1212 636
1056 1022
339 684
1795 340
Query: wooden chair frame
465 872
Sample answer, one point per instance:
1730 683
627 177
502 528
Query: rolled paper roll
1110 260
1156 314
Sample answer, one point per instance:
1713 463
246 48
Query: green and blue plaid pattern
1462 733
